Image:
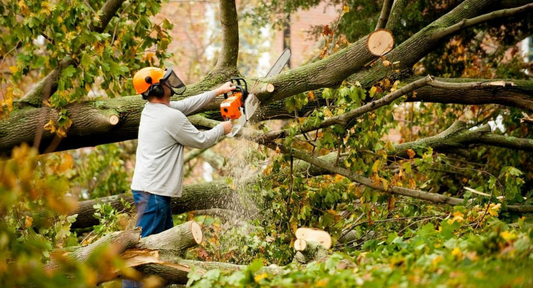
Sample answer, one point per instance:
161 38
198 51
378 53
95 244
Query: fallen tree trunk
202 196
163 249
157 254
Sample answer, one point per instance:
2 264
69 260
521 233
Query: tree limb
344 118
230 39
384 16
465 23
395 14
428 80
420 44
518 93
216 194
431 197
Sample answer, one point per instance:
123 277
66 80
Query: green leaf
69 71
193 275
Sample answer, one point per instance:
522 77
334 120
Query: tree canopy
415 162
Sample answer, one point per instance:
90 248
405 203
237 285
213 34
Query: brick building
196 38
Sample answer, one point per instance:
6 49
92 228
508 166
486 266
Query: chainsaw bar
280 63
251 103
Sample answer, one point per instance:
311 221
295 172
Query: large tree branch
384 16
518 93
418 194
423 42
465 23
459 136
216 194
230 38
345 118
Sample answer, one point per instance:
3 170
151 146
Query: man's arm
194 103
187 135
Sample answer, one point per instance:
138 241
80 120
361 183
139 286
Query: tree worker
164 131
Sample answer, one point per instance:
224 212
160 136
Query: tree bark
117 242
161 249
202 196
519 95
313 251
423 42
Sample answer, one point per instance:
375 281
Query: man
164 131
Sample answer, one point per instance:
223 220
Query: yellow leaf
13 69
346 9
457 253
24 8
61 132
28 222
436 260
50 126
411 153
322 282
66 163
260 277
385 183
386 63
412 183
328 113
494 209
508 236
372 91
311 96
376 166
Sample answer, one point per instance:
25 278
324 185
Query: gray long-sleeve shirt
163 133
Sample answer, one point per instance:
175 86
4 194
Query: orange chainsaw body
230 107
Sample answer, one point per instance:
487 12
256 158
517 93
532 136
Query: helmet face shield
172 81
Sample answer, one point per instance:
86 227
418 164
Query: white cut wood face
316 235
380 42
196 232
300 245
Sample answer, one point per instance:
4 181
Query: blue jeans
154 215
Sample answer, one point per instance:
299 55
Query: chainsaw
240 106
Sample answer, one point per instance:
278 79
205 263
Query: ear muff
157 91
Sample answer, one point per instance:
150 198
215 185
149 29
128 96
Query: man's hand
227 127
228 86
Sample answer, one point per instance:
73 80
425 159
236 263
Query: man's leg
169 223
154 215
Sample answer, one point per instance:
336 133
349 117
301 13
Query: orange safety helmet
146 77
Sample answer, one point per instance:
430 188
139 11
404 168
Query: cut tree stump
316 235
311 244
311 251
380 42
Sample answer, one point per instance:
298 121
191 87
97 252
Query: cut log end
270 87
380 42
113 120
300 245
196 232
316 235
